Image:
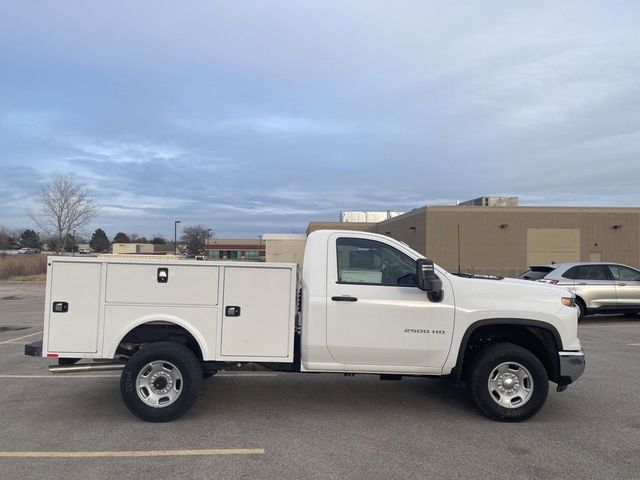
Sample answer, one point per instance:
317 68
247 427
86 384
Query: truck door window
368 262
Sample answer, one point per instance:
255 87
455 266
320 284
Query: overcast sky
257 117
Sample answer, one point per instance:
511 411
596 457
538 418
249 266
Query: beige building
132 248
359 226
235 249
281 248
285 248
505 240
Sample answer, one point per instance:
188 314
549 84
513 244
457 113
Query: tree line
99 241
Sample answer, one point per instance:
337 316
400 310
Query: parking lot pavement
268 425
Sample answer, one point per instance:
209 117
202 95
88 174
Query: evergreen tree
30 239
7 239
121 237
70 244
99 241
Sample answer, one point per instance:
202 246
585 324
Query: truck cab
362 309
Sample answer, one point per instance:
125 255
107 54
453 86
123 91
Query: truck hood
513 281
508 295
478 299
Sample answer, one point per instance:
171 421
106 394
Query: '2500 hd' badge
424 330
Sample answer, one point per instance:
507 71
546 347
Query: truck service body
364 303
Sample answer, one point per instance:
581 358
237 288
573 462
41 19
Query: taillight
551 282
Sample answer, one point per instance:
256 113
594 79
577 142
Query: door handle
344 298
621 284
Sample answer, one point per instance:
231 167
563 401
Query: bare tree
64 207
195 238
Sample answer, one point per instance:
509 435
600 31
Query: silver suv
598 287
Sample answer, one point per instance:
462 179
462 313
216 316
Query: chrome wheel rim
159 384
510 385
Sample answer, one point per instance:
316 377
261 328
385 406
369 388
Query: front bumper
572 365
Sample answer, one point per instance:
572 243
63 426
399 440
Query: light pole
175 235
206 252
260 249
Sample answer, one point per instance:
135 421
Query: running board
86 367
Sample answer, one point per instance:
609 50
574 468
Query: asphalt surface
307 426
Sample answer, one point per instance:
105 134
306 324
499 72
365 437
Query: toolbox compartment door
257 315
183 284
75 329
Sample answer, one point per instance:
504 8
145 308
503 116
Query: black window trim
338 282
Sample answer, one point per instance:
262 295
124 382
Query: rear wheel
160 382
508 382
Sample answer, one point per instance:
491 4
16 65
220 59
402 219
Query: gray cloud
259 117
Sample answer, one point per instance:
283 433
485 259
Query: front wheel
508 382
582 309
161 381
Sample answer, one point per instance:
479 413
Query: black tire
182 375
505 357
582 308
631 314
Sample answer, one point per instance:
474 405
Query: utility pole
175 236
458 248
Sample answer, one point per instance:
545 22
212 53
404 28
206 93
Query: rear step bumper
33 349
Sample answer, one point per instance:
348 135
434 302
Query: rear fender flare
169 319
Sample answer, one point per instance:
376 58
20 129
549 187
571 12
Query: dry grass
23 267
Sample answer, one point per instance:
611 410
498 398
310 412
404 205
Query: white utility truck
366 303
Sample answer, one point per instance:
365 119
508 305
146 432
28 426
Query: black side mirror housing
428 281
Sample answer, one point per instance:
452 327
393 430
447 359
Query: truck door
376 314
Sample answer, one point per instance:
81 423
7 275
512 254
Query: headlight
568 301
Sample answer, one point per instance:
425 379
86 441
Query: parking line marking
19 338
137 453
634 344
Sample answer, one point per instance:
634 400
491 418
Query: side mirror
428 281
